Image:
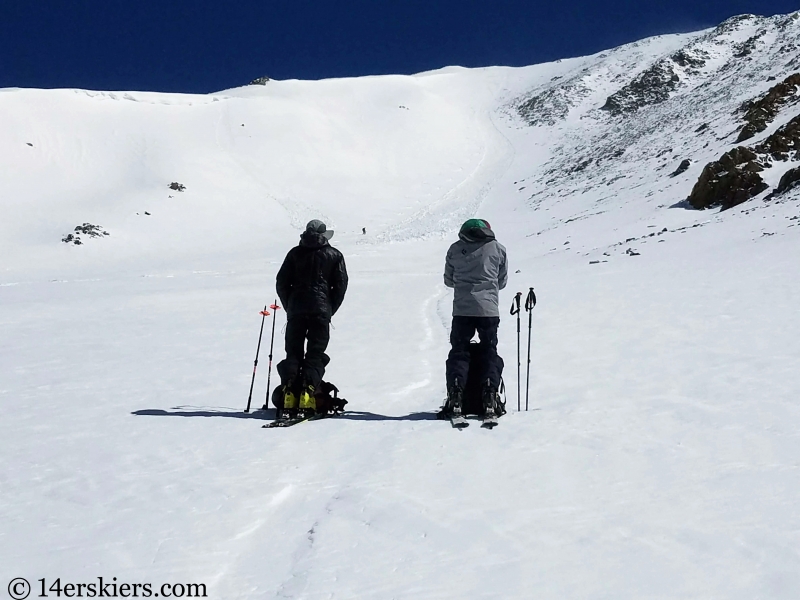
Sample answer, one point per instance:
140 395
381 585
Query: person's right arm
448 271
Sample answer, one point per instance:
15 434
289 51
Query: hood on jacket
476 230
310 239
317 226
316 234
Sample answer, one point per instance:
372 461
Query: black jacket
313 278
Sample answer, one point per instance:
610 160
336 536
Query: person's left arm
502 278
338 285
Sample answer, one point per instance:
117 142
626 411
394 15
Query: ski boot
492 406
455 400
308 403
454 407
290 402
489 396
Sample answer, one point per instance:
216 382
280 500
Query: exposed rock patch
759 113
178 187
746 48
652 86
789 20
87 229
260 81
781 143
731 180
691 61
682 168
734 23
552 105
789 180
735 178
655 84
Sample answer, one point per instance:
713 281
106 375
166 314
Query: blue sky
203 46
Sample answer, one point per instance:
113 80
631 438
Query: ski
459 421
293 421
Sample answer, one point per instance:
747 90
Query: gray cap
317 226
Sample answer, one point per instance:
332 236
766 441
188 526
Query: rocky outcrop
789 20
655 84
691 61
682 168
746 48
781 144
735 178
552 105
731 180
759 113
87 229
734 23
178 187
789 180
652 86
260 81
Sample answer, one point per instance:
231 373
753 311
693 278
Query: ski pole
264 313
275 308
515 310
530 302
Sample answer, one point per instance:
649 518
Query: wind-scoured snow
660 457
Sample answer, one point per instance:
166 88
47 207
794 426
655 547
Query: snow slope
659 458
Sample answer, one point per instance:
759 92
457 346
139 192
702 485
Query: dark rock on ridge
652 86
88 229
761 112
789 180
782 142
682 168
735 178
552 105
731 180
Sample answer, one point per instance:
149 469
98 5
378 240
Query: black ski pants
458 364
307 337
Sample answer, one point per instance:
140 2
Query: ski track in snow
660 455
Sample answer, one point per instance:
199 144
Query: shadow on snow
269 414
192 411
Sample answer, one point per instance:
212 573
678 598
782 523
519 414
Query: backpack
326 397
472 401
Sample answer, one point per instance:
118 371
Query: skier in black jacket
311 284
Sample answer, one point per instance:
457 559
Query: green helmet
475 224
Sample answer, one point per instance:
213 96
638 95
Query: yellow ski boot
308 403
289 398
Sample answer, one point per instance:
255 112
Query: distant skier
363 231
311 284
476 268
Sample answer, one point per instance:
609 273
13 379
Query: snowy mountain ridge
659 457
683 104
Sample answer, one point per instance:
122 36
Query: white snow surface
660 457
